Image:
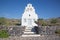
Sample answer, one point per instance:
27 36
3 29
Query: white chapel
29 16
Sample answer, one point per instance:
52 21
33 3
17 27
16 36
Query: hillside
41 22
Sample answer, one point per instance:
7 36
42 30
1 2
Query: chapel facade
29 16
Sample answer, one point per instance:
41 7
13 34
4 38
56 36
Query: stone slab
30 35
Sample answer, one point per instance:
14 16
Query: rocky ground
47 33
43 37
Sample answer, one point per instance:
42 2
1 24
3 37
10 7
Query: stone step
29 27
31 35
28 32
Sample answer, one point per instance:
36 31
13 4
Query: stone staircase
29 33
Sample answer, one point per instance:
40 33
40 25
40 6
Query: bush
44 24
54 21
2 21
57 31
3 34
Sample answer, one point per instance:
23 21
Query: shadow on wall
35 29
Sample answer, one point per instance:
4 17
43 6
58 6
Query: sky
44 8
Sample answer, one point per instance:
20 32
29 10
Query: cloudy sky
15 8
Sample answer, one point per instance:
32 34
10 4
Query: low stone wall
16 32
48 30
13 30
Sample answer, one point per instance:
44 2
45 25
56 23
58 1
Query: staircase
29 33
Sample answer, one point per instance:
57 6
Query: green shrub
3 34
57 31
53 21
